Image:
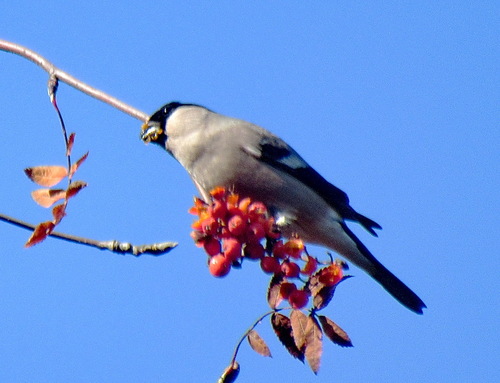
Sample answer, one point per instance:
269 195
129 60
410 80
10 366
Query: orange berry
218 193
236 225
219 266
209 226
294 247
243 205
331 275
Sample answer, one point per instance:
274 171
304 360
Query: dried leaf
321 293
274 297
41 232
334 332
258 344
299 322
283 329
69 146
314 344
230 373
78 163
58 212
74 188
47 197
47 176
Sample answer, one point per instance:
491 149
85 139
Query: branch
155 249
53 71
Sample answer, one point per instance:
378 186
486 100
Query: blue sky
397 104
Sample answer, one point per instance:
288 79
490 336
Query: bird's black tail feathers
388 280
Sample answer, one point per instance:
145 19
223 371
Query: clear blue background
396 104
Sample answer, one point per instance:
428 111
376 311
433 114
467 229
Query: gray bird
217 150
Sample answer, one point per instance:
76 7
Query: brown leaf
334 332
78 163
47 197
274 297
283 329
74 188
314 344
258 344
46 176
71 141
58 212
41 232
230 373
299 322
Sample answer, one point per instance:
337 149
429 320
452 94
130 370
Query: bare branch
155 249
53 71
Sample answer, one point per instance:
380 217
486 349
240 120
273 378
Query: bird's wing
278 154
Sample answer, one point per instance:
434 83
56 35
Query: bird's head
155 129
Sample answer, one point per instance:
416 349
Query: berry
255 232
270 265
294 247
290 269
286 289
219 266
298 299
237 225
232 249
218 209
211 246
256 210
330 275
279 249
209 226
310 266
254 250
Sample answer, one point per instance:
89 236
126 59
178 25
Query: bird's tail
362 257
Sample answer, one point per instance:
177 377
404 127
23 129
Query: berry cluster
231 229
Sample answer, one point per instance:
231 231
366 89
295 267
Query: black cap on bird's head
154 129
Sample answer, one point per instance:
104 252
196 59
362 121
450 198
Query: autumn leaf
47 197
74 188
258 344
334 332
283 329
314 344
41 232
298 321
78 163
58 212
47 176
71 141
274 297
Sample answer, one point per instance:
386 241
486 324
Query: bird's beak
150 133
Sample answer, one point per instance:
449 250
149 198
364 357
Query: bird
221 151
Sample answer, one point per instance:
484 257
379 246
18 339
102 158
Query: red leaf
78 163
41 232
46 175
74 188
258 344
69 146
334 332
299 323
283 329
47 197
274 297
314 344
58 212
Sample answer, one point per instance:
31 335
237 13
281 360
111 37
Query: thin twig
155 249
52 70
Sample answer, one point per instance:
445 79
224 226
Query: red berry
218 209
270 265
257 210
298 299
211 246
209 226
254 250
232 249
290 269
310 266
243 205
279 249
331 275
286 289
219 266
237 225
255 232
294 247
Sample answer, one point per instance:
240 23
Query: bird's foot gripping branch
234 230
